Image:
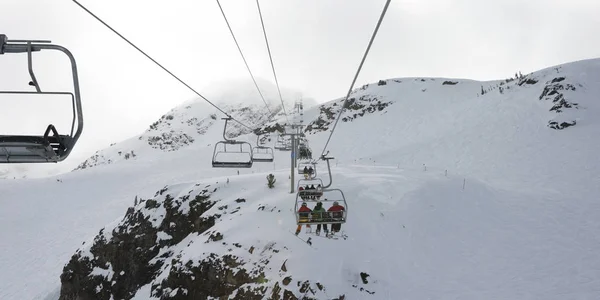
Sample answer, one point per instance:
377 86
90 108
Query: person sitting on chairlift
318 215
319 192
337 214
312 192
302 193
303 213
311 171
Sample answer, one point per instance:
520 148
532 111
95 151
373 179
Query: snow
450 194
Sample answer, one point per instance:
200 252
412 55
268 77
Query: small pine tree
271 181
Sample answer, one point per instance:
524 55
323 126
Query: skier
318 215
312 192
337 213
319 192
302 193
303 213
311 171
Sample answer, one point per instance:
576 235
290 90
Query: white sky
316 47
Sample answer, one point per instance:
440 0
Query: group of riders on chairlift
308 172
319 214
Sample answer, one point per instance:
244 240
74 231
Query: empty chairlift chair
51 146
262 153
231 153
283 144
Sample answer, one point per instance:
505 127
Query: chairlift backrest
51 146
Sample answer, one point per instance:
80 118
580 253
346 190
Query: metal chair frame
268 152
51 147
231 164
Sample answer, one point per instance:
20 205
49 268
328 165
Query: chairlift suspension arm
30 68
323 157
225 129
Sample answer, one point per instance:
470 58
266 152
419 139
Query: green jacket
318 212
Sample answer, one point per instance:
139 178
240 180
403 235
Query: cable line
158 64
245 62
387 3
271 59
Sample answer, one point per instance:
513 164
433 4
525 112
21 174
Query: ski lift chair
52 146
306 194
262 153
282 144
232 157
329 197
304 152
301 166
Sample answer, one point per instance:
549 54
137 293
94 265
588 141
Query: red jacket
303 211
337 211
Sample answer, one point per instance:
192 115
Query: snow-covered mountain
200 124
455 189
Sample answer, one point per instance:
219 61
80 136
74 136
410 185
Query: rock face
168 247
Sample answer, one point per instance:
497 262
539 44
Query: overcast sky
316 46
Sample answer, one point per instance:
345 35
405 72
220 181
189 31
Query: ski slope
450 194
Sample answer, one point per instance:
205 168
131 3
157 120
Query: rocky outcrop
170 247
355 108
555 91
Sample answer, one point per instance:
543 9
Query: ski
307 241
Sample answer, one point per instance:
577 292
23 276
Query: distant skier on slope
303 213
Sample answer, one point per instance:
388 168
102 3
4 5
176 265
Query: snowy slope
522 227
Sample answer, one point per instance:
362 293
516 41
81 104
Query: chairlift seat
262 154
34 149
228 164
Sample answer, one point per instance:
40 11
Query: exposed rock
555 91
152 250
121 261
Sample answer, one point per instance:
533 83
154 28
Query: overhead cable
387 3
158 64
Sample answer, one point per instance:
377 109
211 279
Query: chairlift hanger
228 163
262 153
44 148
